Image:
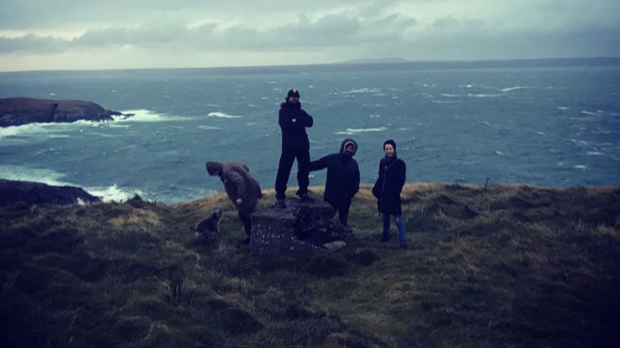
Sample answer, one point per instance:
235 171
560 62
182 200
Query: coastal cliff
19 111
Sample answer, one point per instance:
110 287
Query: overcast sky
111 34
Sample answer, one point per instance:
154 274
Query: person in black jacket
293 121
387 189
343 178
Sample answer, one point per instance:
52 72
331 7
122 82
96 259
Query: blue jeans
402 231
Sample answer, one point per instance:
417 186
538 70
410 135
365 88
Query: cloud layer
330 31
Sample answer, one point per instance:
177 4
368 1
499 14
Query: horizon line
347 63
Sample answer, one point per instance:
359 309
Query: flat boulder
20 111
31 193
300 228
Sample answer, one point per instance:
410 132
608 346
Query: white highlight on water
209 128
145 116
222 115
351 131
53 178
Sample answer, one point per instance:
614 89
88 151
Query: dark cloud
329 30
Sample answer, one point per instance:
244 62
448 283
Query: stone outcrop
300 228
20 111
30 193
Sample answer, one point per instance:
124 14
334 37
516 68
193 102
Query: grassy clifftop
512 266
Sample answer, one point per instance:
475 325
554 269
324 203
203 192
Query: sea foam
222 115
351 131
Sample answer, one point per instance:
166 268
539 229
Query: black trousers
284 170
343 213
247 223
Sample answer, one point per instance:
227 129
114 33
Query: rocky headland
20 111
31 193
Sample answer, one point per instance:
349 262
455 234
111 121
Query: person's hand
239 201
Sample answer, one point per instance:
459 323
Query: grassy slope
516 266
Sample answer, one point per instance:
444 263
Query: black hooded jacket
293 121
389 184
343 176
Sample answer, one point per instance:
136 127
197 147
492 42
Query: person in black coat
387 189
293 121
343 178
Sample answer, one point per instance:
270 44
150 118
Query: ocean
538 125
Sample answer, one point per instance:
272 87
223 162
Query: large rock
30 193
19 111
300 228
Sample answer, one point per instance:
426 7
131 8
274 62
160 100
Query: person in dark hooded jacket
242 189
387 189
293 121
343 178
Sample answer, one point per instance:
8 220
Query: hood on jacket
286 104
214 168
347 141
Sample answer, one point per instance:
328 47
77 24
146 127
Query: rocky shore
20 111
31 193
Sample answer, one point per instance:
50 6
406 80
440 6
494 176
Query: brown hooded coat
238 183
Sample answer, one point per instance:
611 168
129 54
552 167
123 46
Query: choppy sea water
542 126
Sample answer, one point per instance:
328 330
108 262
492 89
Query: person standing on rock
242 189
293 122
387 189
343 178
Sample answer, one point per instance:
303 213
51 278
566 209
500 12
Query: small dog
209 225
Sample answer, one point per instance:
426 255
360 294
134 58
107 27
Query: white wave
363 90
541 133
590 113
38 128
351 131
485 123
563 108
209 128
446 101
112 193
581 167
58 136
484 95
53 178
448 95
515 88
222 115
595 153
375 116
144 116
499 153
21 173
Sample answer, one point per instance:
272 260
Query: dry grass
512 266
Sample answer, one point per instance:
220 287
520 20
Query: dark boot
280 203
305 198
385 237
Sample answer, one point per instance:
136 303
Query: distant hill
506 266
376 61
